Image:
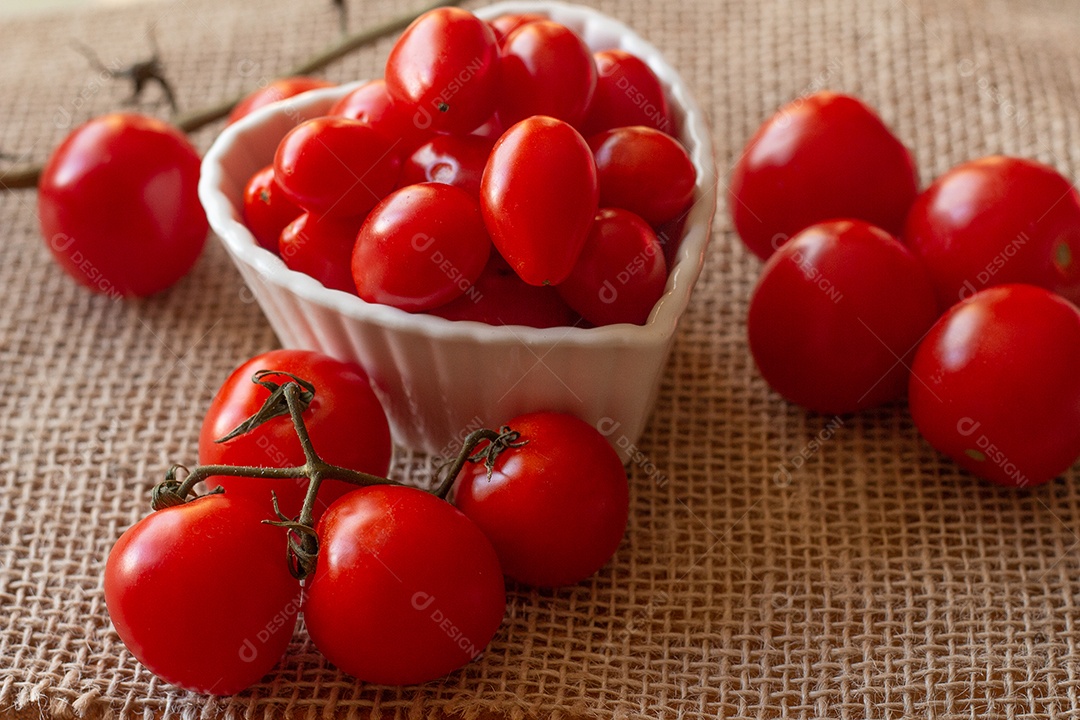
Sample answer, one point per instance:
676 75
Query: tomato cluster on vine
486 147
959 296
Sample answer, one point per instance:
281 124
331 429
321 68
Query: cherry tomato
539 196
644 171
998 220
372 105
500 297
335 166
406 589
620 274
279 89
506 24
449 159
818 158
321 247
118 205
627 93
556 508
423 246
345 421
201 594
266 209
837 314
994 385
444 68
545 69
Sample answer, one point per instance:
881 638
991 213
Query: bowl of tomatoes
441 372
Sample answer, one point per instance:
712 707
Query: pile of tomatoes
499 172
961 295
403 586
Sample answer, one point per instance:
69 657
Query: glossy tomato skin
406 590
620 274
423 246
372 104
456 160
213 558
627 93
506 24
500 297
266 209
644 171
994 385
834 311
272 92
119 207
335 166
818 158
321 247
998 220
555 509
345 421
539 196
545 69
444 68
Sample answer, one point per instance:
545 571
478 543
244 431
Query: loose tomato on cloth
201 595
644 171
444 68
406 589
335 166
421 247
995 385
837 314
539 196
994 221
627 93
118 205
272 92
345 421
555 508
819 158
321 247
266 209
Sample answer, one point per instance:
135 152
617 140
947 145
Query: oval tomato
644 171
272 92
119 207
372 104
321 247
627 93
406 588
345 421
994 385
266 209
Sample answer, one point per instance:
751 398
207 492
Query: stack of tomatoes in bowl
961 295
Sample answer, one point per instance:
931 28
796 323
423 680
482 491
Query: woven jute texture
776 564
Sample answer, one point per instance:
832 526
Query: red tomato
818 158
321 247
372 105
994 385
201 594
627 93
492 130
620 274
506 24
423 246
335 166
273 92
644 171
539 197
836 315
118 205
449 159
500 297
555 509
994 221
266 209
345 421
545 69
406 589
444 68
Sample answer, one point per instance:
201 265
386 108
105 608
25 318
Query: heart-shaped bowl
440 379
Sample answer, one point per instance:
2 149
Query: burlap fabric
777 564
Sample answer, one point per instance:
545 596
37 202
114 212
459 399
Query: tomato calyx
276 405
497 443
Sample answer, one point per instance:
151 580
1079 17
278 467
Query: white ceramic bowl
439 379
